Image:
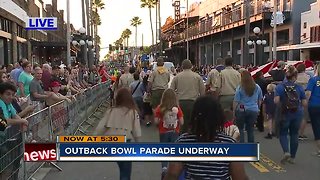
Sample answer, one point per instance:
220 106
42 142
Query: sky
116 17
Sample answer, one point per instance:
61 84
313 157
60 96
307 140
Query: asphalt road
307 167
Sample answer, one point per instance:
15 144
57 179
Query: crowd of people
225 109
28 88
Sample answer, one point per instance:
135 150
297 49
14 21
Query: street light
256 40
82 30
86 43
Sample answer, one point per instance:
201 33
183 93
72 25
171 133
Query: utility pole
274 47
68 34
156 45
247 33
187 36
159 19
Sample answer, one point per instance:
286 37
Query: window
315 34
5 25
305 25
283 37
287 5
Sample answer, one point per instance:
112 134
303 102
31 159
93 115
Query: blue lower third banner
157 152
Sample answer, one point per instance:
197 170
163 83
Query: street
269 168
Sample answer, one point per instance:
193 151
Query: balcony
222 20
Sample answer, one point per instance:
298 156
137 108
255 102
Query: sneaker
269 136
285 158
301 138
291 160
148 123
316 153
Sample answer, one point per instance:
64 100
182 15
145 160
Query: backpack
291 102
170 120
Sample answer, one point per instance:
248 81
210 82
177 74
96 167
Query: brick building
36 45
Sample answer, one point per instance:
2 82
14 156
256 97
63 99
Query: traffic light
126 49
121 46
110 47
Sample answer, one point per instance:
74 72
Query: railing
62 118
222 19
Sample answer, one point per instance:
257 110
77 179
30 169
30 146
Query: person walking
228 83
279 73
262 82
313 96
122 119
214 74
189 86
293 99
207 126
158 82
303 79
246 105
126 79
137 91
169 117
269 108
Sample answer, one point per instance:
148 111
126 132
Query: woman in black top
207 122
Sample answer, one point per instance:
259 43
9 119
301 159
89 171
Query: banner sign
176 10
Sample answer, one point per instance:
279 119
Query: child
169 118
229 128
57 97
269 108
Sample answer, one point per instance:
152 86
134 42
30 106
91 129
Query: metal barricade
39 131
11 153
62 118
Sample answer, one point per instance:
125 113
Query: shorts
147 110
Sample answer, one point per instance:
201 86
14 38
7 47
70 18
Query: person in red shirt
103 73
169 117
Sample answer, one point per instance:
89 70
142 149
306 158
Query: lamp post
256 40
187 25
86 46
68 34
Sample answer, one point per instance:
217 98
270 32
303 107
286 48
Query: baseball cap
55 84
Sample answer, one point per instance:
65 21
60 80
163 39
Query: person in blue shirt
246 105
291 120
313 96
7 92
17 71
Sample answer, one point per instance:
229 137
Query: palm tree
126 35
136 21
149 4
97 5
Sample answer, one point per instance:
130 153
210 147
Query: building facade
310 33
220 31
36 45
13 36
